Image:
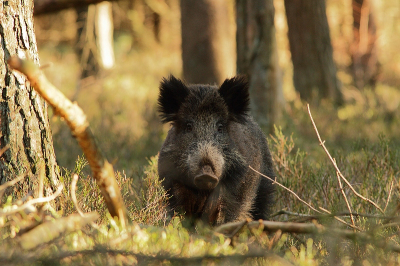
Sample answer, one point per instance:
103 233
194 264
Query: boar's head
198 150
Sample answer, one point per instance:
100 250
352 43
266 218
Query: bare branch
305 217
345 198
32 202
103 171
50 230
12 182
388 199
310 228
142 259
73 195
341 220
281 212
336 167
274 181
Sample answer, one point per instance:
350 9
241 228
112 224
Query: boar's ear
235 92
172 93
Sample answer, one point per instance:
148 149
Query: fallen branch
337 168
103 171
50 230
309 228
272 226
306 217
341 220
142 258
32 202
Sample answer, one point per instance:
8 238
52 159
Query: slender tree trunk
95 38
314 71
257 57
208 53
365 65
23 114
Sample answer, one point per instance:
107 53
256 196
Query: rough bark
365 65
314 71
207 41
23 114
257 58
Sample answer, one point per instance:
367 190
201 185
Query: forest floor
361 136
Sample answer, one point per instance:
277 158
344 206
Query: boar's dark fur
204 161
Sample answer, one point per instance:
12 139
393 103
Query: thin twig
274 181
306 217
310 228
345 198
75 201
336 167
73 195
12 182
341 220
238 228
32 202
388 199
281 212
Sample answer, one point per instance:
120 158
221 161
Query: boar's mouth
206 179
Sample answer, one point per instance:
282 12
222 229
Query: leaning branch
279 184
339 173
309 228
103 171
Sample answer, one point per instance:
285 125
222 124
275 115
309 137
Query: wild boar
204 161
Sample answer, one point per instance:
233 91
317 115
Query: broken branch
103 171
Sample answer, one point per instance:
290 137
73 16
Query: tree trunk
95 38
365 65
314 71
24 120
208 53
257 57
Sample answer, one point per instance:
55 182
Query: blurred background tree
208 44
314 71
364 58
308 51
94 42
257 58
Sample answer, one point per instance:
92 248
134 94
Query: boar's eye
189 127
220 128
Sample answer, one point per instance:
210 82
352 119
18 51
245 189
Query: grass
362 136
371 166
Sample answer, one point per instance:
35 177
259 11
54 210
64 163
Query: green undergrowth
156 239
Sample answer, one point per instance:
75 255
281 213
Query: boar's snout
206 164
206 179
